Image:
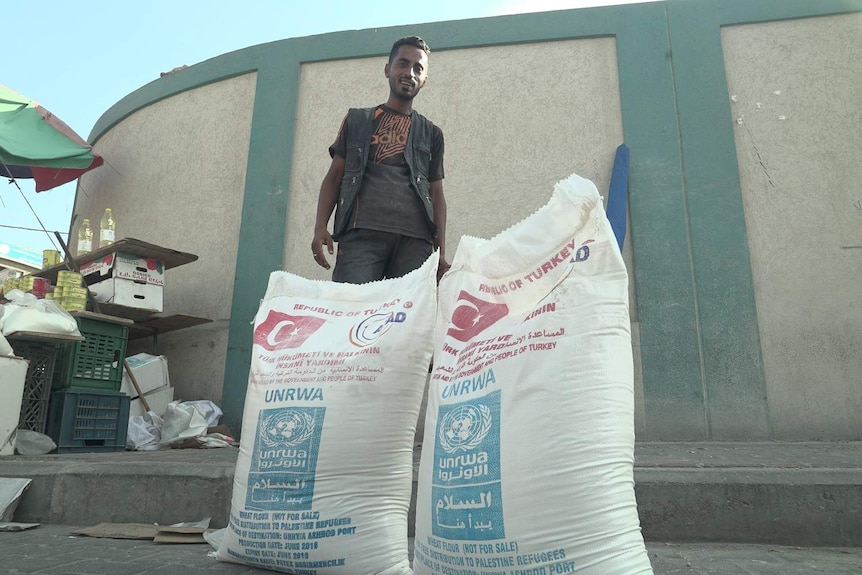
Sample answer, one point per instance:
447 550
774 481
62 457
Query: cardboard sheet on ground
181 534
118 531
189 532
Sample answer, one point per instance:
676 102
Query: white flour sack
527 458
325 467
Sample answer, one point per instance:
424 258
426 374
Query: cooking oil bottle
85 237
106 229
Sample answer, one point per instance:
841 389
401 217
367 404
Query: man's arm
325 204
438 202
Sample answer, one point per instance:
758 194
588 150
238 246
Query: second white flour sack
527 459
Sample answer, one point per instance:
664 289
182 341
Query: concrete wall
542 131
735 229
796 93
175 176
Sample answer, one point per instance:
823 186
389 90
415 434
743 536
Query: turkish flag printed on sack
282 331
473 315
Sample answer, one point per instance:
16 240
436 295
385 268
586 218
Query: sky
79 59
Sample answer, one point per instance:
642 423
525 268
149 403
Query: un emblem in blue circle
289 427
464 428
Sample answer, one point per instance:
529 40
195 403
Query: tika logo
282 331
473 316
583 253
372 328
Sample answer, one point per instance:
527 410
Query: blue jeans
369 255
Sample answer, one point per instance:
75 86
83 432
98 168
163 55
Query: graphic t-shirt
386 201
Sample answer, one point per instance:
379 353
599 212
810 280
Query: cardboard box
129 293
150 371
13 373
122 265
158 401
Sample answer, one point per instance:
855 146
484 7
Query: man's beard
401 95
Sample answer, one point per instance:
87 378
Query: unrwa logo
286 427
464 428
372 328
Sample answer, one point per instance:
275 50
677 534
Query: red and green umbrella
34 143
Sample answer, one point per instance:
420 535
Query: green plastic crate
96 362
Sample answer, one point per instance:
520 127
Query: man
386 178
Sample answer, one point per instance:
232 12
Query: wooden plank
40 336
171 258
131 313
163 324
103 317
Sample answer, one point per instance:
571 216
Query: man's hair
408 41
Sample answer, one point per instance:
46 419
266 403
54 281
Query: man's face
407 72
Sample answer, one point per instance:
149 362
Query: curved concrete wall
717 209
797 109
175 177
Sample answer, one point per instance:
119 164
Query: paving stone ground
50 550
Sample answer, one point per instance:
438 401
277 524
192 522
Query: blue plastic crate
85 420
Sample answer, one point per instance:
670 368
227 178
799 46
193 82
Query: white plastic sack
27 313
31 442
5 348
324 473
529 434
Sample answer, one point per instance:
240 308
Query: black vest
417 154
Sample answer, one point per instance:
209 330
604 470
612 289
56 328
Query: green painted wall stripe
733 372
263 222
662 267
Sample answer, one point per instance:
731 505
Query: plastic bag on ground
144 432
324 473
181 422
528 452
33 443
209 410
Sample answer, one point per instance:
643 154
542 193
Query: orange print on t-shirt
390 137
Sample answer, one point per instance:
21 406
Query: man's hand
442 267
438 201
321 238
325 204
